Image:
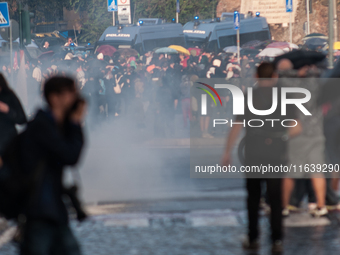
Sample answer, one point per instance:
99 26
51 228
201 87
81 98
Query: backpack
14 184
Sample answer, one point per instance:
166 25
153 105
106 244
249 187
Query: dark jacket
47 148
8 120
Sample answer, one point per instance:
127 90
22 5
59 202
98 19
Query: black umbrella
314 35
60 55
251 44
301 58
46 55
331 89
316 41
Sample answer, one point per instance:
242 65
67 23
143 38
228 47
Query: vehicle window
151 44
228 40
191 44
261 36
212 46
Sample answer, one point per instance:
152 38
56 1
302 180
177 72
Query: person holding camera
53 140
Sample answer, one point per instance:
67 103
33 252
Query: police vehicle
216 34
147 35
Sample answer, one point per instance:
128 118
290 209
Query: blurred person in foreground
11 113
308 148
52 140
263 146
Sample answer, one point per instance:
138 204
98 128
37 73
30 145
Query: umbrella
251 44
197 50
293 46
278 45
264 44
336 46
331 89
246 51
302 58
180 49
285 46
107 50
46 55
315 42
127 52
230 49
34 52
270 52
314 35
166 50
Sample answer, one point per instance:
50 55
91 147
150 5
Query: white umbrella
293 46
230 49
271 52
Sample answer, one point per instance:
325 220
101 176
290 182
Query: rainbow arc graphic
209 93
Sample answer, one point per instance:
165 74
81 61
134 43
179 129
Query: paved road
144 202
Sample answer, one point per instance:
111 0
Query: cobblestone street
201 232
194 217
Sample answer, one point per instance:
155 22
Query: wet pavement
185 217
200 232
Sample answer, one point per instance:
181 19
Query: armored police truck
216 34
147 35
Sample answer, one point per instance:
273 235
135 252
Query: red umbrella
128 52
107 50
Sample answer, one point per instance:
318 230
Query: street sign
289 5
4 15
123 2
178 10
305 27
124 14
236 20
112 5
5 31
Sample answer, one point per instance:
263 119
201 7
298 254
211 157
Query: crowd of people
157 87
154 86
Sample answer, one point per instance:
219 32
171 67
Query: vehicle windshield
195 43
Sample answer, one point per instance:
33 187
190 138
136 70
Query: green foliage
98 20
41 8
166 9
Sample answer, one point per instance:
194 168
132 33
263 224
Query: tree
98 18
167 9
41 8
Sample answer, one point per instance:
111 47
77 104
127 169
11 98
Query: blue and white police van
147 35
216 34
